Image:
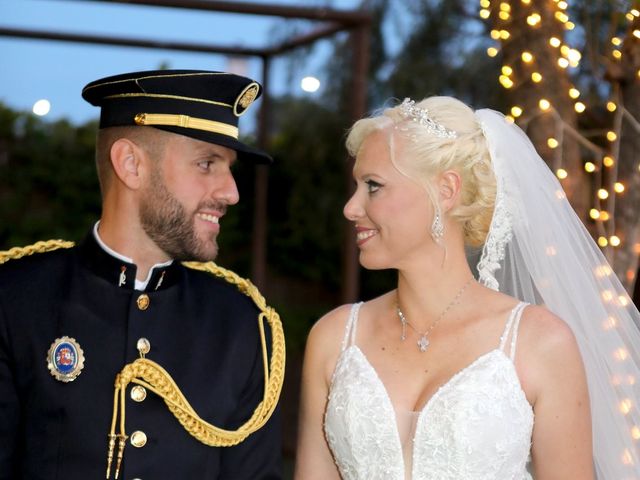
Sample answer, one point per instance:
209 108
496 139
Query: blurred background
568 72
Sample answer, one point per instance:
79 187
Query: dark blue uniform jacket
201 329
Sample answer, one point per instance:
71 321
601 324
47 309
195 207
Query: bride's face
392 213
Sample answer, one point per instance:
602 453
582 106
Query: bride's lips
365 234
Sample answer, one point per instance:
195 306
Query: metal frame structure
356 22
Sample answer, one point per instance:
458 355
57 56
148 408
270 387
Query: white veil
539 251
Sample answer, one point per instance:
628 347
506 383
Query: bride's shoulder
548 330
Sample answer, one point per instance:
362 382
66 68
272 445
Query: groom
71 317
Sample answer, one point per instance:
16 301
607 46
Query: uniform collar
120 271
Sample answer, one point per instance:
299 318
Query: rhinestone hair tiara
409 111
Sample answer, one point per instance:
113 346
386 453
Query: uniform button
143 301
143 345
138 439
138 393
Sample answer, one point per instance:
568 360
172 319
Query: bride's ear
449 186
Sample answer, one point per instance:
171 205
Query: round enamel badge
65 359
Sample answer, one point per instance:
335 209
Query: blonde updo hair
424 155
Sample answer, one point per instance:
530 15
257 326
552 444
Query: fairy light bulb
534 19
516 111
569 26
506 70
536 77
527 57
509 119
636 33
544 104
602 241
574 57
635 432
603 194
611 136
555 42
485 3
492 51
495 34
614 240
616 41
505 81
563 62
634 12
625 406
504 35
594 213
505 7
608 161
562 17
611 106
552 142
561 173
618 187
484 13
504 15
590 167
579 107
574 92
604 216
562 5
617 54
526 2
621 354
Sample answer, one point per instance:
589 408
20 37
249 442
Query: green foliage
48 186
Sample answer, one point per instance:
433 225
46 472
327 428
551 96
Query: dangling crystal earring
437 227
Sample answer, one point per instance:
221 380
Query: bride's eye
372 186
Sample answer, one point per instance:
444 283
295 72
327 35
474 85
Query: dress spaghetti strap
350 329
511 330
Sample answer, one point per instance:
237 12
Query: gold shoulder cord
155 378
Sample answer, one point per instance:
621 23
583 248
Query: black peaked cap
199 104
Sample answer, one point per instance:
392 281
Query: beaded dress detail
477 426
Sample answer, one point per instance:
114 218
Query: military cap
200 104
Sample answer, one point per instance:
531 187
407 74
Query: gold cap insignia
65 359
246 98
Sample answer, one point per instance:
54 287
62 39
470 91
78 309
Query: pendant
423 343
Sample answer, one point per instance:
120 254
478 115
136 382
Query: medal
65 359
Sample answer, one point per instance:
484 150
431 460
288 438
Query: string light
492 51
544 104
563 62
616 41
579 107
527 57
574 92
555 42
516 111
534 19
536 77
611 136
618 187
561 173
590 167
594 213
608 161
614 241
604 215
603 194
552 142
617 54
603 242
625 406
611 106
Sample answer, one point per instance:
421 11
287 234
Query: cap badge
65 359
246 98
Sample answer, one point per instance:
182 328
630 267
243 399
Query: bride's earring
437 227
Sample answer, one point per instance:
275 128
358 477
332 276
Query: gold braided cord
38 247
153 377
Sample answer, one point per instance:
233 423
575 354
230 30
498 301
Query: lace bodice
477 426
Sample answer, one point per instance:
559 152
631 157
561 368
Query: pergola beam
346 17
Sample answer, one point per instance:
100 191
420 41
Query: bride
460 373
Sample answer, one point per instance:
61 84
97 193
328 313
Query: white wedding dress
477 426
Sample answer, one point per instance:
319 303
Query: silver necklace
423 342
